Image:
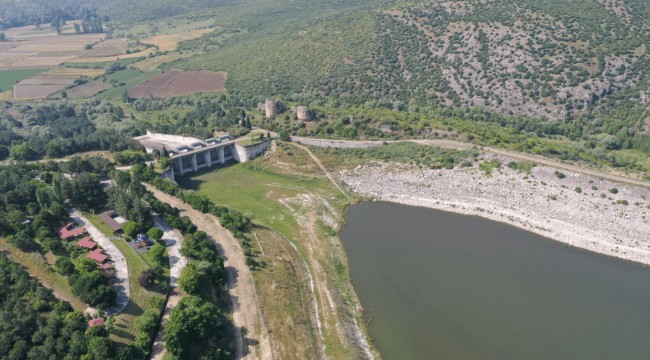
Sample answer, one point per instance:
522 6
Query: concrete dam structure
191 154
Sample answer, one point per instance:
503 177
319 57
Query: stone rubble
539 202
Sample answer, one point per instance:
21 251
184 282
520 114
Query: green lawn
247 188
9 77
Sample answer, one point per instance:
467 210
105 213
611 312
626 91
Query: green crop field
9 77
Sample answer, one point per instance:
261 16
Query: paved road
121 284
458 145
243 295
173 241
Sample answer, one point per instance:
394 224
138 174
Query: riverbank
576 209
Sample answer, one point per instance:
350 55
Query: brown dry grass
153 63
60 72
144 52
170 41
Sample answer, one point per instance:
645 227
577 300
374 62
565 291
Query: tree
191 326
130 228
65 266
22 152
4 152
92 289
147 278
57 210
23 241
190 279
157 253
155 233
33 209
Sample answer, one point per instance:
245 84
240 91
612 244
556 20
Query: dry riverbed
579 210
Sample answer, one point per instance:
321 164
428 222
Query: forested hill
29 12
546 58
535 57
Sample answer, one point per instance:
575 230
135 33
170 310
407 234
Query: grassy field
129 78
288 196
37 266
168 42
103 64
9 77
125 322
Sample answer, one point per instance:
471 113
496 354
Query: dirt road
173 242
245 305
458 145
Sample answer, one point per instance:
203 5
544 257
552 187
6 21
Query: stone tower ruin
304 113
271 107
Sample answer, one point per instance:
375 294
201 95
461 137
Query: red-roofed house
96 322
97 255
105 266
87 243
71 231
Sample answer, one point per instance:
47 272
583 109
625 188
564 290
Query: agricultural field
124 80
112 47
9 77
176 83
40 87
87 90
169 42
30 47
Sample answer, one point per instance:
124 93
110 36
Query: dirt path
173 242
246 311
458 145
320 164
36 265
158 351
121 284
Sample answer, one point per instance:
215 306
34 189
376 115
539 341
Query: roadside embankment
573 208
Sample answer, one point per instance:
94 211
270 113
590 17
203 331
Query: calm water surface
443 286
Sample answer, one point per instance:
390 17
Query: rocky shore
575 209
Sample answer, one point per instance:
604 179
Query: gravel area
592 217
173 242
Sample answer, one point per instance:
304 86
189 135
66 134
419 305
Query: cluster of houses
73 232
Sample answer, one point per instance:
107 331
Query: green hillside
553 59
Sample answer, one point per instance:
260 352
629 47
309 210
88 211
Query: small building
113 220
71 231
105 266
139 244
98 256
96 322
87 242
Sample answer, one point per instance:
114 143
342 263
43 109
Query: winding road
247 316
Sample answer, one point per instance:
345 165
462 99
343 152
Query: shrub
578 189
560 175
613 190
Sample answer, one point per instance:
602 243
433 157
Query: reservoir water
438 285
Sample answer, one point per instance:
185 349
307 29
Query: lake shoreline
539 201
